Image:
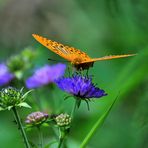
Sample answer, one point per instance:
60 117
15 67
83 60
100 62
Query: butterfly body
79 59
83 66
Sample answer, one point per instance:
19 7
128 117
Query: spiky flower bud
36 118
18 64
11 97
63 120
28 54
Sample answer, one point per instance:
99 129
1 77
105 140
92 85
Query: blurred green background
99 28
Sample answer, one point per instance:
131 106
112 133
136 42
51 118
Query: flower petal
80 86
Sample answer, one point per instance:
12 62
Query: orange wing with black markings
109 58
68 53
75 56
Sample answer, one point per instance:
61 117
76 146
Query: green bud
10 97
15 63
18 64
28 54
63 119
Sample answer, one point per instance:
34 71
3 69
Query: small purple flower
45 75
80 87
5 75
36 118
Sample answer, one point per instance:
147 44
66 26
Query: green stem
62 137
73 110
62 131
18 120
40 136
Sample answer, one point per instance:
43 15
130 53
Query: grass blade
97 125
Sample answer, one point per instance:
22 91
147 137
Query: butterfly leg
73 70
81 71
87 73
69 70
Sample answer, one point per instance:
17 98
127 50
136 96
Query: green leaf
28 127
49 144
18 74
27 93
9 107
97 125
1 108
45 124
33 145
24 104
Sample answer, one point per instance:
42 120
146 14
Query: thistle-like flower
11 97
63 120
36 118
5 75
82 88
45 75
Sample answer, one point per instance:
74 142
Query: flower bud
63 120
12 97
36 118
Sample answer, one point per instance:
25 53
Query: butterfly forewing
69 53
53 46
108 58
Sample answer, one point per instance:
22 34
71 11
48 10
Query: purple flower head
5 75
45 75
81 87
36 118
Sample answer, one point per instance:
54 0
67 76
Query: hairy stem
62 137
18 120
40 137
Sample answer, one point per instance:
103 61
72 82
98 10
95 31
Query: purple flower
80 87
36 118
5 75
45 75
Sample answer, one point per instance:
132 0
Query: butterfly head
80 64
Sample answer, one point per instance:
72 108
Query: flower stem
18 120
40 137
73 110
62 131
62 137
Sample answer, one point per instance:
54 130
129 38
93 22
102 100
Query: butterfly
80 60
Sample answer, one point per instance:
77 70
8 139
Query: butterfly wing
72 54
68 53
108 58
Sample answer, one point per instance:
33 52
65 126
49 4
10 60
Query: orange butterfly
79 59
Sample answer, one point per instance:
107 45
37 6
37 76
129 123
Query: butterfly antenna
57 60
